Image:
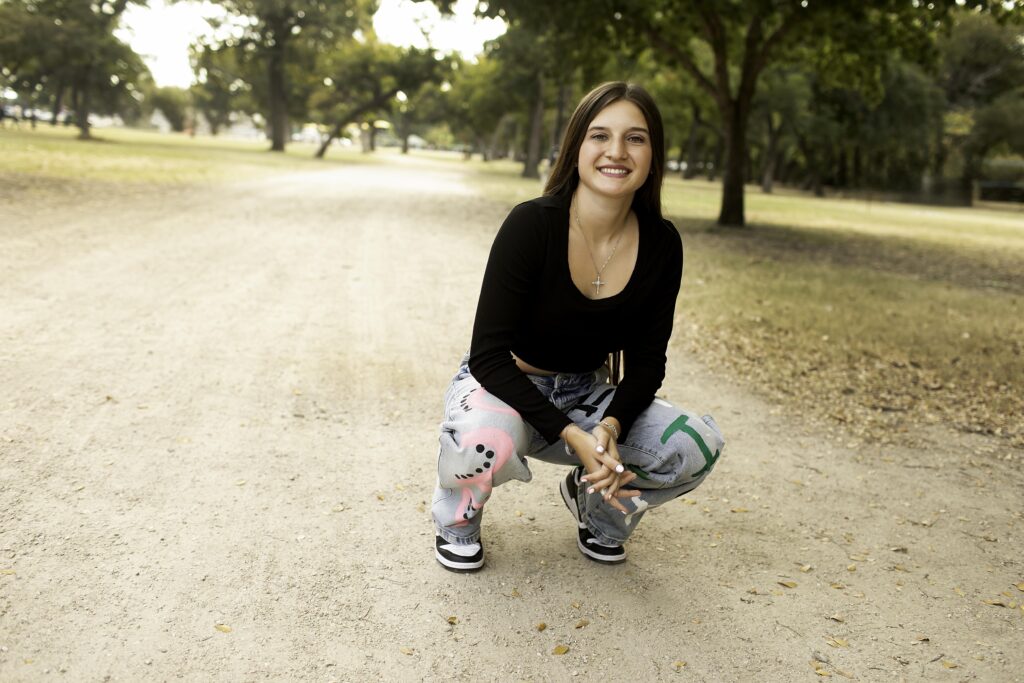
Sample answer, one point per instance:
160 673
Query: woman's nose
616 148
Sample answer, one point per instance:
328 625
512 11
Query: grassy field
878 316
134 156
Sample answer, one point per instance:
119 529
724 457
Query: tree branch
751 53
718 40
683 57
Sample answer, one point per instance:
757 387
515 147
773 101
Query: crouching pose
588 270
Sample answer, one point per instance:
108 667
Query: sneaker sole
459 567
570 503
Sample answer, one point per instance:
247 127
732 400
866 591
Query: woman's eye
598 136
638 139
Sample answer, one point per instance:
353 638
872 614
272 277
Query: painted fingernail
600 448
620 469
590 490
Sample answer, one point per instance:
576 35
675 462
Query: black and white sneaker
459 558
585 541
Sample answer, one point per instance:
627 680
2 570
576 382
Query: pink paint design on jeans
476 487
478 400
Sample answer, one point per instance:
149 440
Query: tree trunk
335 132
536 133
82 105
770 159
58 104
858 172
690 168
278 95
556 133
735 120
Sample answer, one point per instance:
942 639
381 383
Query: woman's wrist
612 426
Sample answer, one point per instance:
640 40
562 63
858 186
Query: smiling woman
589 270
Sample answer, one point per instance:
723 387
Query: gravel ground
217 442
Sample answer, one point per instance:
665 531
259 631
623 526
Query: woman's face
615 157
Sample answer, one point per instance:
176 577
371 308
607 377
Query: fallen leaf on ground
739 510
380 496
223 628
399 487
788 584
851 567
240 482
995 603
338 508
541 626
838 642
806 568
1020 586
582 622
8 572
560 649
838 586
576 605
949 665
406 650
515 594
837 617
453 620
678 664
958 591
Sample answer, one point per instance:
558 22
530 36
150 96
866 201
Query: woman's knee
482 440
680 447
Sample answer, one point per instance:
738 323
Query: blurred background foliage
920 101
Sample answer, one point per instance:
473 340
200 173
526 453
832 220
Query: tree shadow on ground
965 266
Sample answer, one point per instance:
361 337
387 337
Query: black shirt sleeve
513 270
645 353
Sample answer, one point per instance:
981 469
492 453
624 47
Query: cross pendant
597 283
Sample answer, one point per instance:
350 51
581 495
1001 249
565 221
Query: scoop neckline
567 273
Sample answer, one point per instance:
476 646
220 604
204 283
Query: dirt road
217 440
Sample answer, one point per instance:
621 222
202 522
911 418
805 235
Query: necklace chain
598 282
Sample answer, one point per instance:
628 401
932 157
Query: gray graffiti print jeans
485 443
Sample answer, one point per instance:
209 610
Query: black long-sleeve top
530 306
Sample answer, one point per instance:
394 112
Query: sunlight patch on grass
133 156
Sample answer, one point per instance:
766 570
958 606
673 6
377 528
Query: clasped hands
599 454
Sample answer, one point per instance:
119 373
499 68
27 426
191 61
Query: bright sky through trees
162 32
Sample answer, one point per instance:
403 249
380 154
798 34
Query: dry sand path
217 442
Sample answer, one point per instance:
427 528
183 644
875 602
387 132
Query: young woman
587 270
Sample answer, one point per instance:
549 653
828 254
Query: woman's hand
599 455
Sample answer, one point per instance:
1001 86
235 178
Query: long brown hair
565 176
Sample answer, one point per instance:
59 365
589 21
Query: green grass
133 156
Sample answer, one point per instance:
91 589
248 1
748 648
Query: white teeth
614 171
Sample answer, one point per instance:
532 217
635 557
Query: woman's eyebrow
634 128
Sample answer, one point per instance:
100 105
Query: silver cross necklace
598 282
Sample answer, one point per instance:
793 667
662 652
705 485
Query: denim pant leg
482 445
671 451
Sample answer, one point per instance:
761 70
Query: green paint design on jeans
680 426
639 472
